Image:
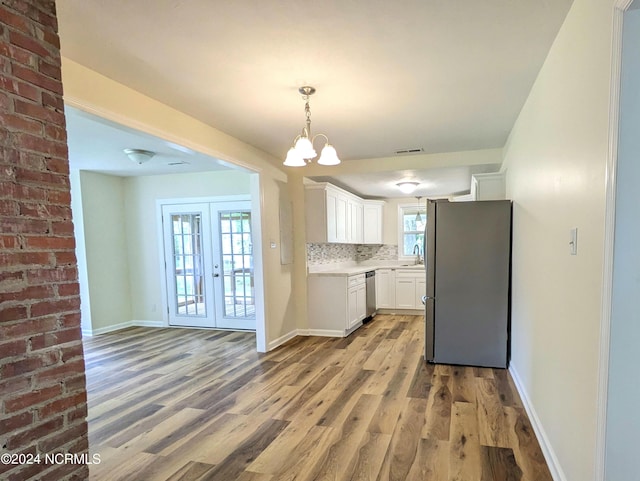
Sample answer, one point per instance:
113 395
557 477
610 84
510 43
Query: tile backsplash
318 254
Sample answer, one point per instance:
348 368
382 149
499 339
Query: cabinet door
361 301
342 217
421 290
352 307
385 289
372 224
332 219
355 222
405 293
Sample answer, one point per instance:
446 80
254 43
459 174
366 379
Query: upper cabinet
488 186
336 216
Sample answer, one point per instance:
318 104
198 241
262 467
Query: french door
209 264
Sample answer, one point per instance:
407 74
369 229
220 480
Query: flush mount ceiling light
302 150
139 156
407 187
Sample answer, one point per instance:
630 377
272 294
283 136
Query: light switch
573 241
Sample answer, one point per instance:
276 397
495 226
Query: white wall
143 242
555 164
78 233
89 91
623 421
103 222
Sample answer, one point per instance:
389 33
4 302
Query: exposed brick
54 306
15 191
73 384
51 38
30 364
12 313
9 242
18 55
16 422
56 133
8 207
53 374
41 145
14 386
42 178
62 227
24 401
28 43
74 351
38 112
52 100
57 275
52 443
59 197
13 348
18 225
71 320
36 78
48 339
38 431
22 124
24 259
58 165
79 412
15 21
65 258
60 405
71 289
10 278
27 293
46 242
49 69
29 327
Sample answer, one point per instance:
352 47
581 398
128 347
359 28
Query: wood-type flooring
187 404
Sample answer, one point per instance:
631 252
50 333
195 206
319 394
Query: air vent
409 151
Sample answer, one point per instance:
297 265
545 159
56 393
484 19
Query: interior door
187 252
233 265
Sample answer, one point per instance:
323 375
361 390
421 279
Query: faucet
416 252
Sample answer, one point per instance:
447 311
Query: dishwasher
371 295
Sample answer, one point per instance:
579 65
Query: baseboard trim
281 340
122 325
321 332
545 444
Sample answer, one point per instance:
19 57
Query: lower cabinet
336 304
400 289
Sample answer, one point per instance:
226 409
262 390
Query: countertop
361 269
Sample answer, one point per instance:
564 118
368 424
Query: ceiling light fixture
302 150
139 156
407 187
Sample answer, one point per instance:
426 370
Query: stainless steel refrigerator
468 268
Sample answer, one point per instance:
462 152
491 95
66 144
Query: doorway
208 261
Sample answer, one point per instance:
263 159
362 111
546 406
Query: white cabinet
336 216
337 304
488 186
385 288
410 287
355 221
372 210
356 305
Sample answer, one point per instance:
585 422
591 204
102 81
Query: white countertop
355 269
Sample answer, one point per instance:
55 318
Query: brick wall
42 385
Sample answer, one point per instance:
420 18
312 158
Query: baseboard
281 340
547 450
122 325
321 332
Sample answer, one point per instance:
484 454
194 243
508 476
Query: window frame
415 206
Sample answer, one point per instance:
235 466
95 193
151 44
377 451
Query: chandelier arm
320 135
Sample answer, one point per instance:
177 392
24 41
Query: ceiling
443 76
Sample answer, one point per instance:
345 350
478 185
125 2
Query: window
412 220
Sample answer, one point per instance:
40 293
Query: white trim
619 8
321 332
122 325
204 200
400 230
545 444
282 339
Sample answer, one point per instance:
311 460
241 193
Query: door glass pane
237 264
188 262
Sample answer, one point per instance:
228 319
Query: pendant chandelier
302 150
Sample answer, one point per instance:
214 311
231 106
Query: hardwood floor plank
464 454
194 404
499 464
403 450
